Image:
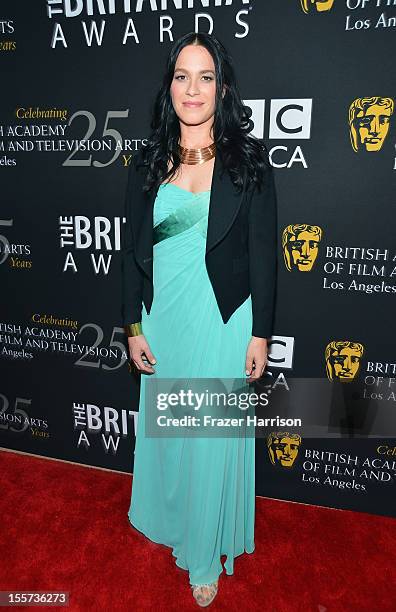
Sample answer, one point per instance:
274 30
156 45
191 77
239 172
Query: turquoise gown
195 495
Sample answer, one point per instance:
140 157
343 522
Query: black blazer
241 247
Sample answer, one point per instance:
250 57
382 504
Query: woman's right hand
138 347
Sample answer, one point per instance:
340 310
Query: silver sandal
198 596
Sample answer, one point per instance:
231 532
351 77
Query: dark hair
241 153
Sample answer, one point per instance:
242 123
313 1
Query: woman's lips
192 104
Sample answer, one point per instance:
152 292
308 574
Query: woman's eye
181 76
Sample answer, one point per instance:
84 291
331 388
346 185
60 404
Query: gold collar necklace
197 156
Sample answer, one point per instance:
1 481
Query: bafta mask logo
369 122
300 246
343 359
283 448
316 5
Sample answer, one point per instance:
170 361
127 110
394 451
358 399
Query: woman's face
193 88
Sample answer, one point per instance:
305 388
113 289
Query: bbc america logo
288 118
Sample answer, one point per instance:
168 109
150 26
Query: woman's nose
193 87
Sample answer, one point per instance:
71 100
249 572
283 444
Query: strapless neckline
186 190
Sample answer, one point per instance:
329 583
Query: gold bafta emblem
319 5
369 122
343 359
300 245
283 448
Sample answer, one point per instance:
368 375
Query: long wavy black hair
241 153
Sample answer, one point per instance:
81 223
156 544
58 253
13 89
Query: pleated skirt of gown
195 495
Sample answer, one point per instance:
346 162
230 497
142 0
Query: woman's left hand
256 357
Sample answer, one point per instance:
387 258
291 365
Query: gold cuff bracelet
133 329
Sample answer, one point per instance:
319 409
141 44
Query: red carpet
64 527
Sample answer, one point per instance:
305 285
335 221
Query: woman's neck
193 138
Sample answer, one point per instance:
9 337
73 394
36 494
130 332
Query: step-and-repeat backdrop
78 81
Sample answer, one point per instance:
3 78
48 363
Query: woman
199 251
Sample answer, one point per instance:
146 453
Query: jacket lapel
224 204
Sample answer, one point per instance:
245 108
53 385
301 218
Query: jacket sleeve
263 259
131 274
